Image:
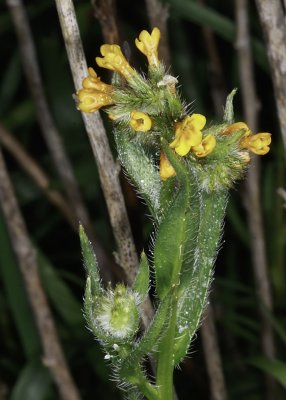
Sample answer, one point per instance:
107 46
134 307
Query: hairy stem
166 357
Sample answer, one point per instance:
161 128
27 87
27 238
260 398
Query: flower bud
140 121
118 315
148 45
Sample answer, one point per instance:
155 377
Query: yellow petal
237 126
140 121
205 147
90 100
114 60
188 134
258 144
166 169
148 45
92 81
198 121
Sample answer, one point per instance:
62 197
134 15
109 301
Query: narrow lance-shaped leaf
171 234
228 115
192 301
90 261
141 284
141 169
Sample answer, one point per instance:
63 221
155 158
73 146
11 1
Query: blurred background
205 45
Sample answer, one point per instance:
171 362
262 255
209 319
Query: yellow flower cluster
96 94
258 144
188 136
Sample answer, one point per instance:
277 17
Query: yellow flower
90 100
166 169
114 59
188 134
140 121
205 147
92 81
237 126
148 45
258 144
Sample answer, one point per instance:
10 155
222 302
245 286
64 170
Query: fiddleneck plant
182 168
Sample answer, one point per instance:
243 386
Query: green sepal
140 168
192 301
90 304
141 284
228 115
171 235
90 262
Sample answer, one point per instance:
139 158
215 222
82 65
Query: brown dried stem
105 12
53 355
43 181
272 17
212 356
37 174
282 194
45 119
252 197
158 15
107 168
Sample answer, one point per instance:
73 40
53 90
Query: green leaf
228 116
10 82
141 169
59 293
90 261
34 383
192 302
275 368
16 295
141 284
171 235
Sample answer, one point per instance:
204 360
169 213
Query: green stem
166 357
149 390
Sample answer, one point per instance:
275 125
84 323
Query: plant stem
149 390
166 357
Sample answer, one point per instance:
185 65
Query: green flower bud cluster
117 314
